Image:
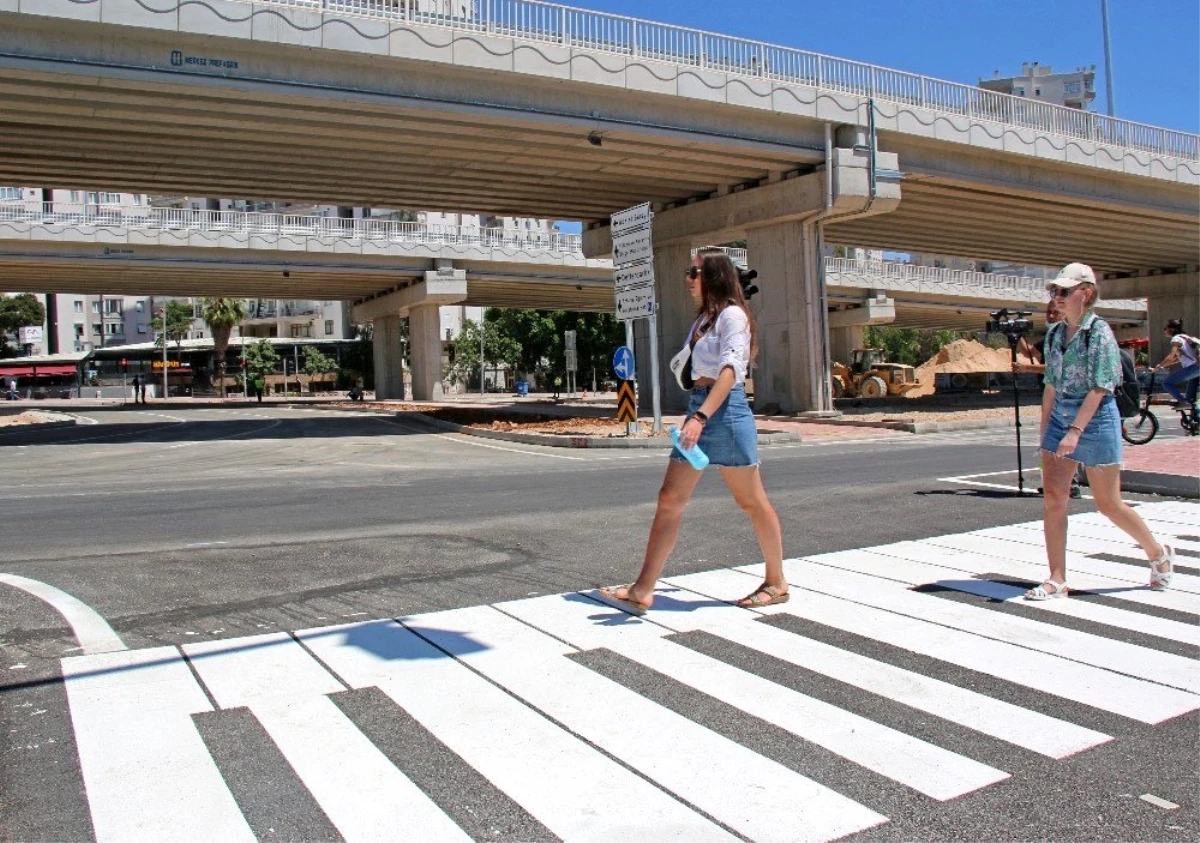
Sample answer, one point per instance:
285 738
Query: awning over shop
47 369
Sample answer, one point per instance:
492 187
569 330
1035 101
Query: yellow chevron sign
626 402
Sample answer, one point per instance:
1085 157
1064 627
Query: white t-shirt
1186 357
726 343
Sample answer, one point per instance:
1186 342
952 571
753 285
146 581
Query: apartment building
1039 82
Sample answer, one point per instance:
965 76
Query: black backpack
1128 393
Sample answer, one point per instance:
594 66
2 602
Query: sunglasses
1062 292
693 272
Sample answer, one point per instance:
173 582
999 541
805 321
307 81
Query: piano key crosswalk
522 719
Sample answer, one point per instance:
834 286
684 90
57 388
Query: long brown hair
720 288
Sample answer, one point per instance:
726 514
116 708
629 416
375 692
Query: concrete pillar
843 341
389 378
676 312
790 312
425 343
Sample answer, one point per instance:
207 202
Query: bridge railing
534 20
861 272
299 225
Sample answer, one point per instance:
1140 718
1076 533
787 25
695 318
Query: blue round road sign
623 363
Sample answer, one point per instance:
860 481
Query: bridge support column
843 341
793 364
389 371
424 337
676 312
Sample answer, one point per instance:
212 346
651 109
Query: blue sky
1156 61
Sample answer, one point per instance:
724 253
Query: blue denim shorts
1100 442
730 437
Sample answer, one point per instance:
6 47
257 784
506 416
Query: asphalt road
185 526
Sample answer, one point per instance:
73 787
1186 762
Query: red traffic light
243 362
124 365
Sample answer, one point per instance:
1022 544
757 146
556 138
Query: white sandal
1160 580
1043 592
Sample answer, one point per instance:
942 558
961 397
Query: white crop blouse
727 343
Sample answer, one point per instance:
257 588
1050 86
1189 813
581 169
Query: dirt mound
962 357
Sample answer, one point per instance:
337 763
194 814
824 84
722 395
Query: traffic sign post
627 405
633 277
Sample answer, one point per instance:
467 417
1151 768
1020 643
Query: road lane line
979 712
466 439
90 629
936 772
519 758
148 775
756 797
364 795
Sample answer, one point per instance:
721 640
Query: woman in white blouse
722 341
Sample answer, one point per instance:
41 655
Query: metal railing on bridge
145 218
532 20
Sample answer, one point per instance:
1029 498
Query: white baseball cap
1073 274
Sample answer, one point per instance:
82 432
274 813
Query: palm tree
220 315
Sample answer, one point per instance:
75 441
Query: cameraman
1037 366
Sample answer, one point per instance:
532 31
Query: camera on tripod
1014 324
745 276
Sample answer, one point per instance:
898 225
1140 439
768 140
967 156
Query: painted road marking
91 630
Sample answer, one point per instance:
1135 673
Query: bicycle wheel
1139 429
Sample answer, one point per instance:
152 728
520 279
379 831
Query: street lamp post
1108 83
482 314
162 314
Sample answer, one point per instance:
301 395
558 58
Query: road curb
773 437
924 427
1152 483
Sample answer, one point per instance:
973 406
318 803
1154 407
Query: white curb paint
92 631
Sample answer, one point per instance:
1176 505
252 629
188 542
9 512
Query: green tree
221 315
179 321
910 346
499 346
261 360
23 310
317 363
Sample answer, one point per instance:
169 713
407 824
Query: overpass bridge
536 109
142 250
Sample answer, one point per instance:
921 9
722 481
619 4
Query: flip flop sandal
774 597
1162 569
636 607
1042 592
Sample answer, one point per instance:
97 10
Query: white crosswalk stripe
574 747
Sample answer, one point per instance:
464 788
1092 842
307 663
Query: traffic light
124 366
243 364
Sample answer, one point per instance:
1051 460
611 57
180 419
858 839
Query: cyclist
1183 352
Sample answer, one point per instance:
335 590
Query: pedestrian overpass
534 109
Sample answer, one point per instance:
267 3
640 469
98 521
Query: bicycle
1140 429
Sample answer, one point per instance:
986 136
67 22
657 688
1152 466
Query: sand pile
962 357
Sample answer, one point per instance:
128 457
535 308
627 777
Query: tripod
1014 340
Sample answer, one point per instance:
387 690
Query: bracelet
699 416
1076 427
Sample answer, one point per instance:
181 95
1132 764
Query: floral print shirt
1091 360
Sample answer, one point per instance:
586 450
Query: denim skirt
730 437
1100 442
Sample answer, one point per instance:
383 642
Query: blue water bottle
694 455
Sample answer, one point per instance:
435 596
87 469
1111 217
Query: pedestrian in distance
1183 354
137 385
722 344
1036 354
1081 425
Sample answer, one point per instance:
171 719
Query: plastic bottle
694 455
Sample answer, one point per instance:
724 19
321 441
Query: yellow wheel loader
868 376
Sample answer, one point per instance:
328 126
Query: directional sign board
633 247
623 363
635 303
634 217
638 275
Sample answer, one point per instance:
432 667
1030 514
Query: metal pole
163 313
1108 83
631 427
296 367
654 389
482 313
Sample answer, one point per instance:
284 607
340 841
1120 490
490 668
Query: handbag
681 363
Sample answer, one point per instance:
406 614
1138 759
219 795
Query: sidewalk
1163 467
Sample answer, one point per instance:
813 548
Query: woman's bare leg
749 494
1056 485
1105 483
678 485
